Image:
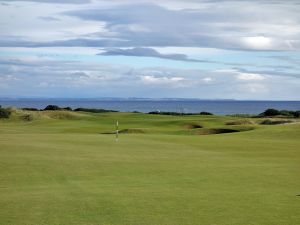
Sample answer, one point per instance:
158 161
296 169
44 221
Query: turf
65 168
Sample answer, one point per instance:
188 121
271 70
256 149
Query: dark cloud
49 18
274 72
149 52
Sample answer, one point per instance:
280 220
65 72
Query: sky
207 49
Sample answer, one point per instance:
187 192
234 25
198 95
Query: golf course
67 168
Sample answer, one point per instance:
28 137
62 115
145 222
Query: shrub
26 117
178 114
296 114
30 109
275 122
271 112
67 108
240 122
4 113
284 113
52 107
242 115
94 110
206 113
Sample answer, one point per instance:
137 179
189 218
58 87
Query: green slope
60 169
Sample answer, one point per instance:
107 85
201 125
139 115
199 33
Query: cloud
254 88
182 31
286 58
51 1
42 77
258 42
274 72
242 29
49 18
250 77
207 80
148 52
161 80
238 25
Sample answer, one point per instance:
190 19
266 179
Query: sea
218 107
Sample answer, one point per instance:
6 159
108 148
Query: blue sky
209 49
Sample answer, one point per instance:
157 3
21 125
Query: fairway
66 168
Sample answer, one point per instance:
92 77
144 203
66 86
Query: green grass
59 169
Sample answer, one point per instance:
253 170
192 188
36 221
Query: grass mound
240 122
29 115
26 117
275 122
193 126
62 115
216 131
132 131
127 131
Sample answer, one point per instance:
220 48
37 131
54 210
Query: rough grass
240 122
56 171
275 122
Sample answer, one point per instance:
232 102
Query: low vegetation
240 122
275 112
275 122
179 114
93 110
4 113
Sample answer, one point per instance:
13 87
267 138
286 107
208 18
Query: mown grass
61 170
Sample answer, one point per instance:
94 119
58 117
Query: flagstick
117 131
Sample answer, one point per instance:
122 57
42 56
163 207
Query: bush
4 113
271 112
243 115
275 122
26 117
206 113
30 109
284 113
52 107
67 108
296 114
240 122
94 110
178 114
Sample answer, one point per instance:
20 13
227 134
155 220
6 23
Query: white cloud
254 88
258 42
250 77
149 79
207 79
